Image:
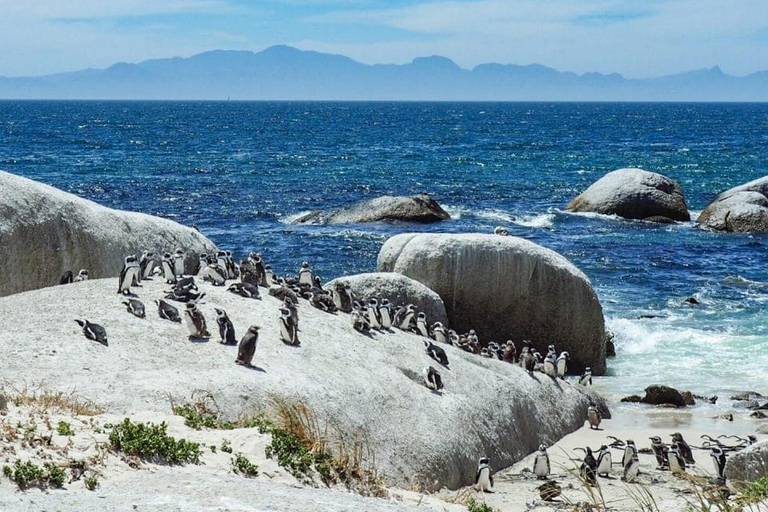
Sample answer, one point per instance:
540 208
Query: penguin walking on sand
676 461
178 263
432 379
483 477
167 311
604 461
82 275
436 353
169 275
136 308
588 469
421 324
226 328
631 471
594 417
288 333
195 321
660 450
541 463
247 347
305 275
586 377
718 460
562 364
128 275
683 448
630 453
385 314
146 265
372 311
93 332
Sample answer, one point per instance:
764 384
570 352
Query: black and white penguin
630 453
631 471
195 321
594 417
472 338
718 460
498 230
290 305
247 347
167 311
526 359
562 364
421 324
168 271
288 333
660 451
226 328
453 337
178 263
135 307
128 274
269 275
385 314
260 269
586 377
67 278
541 462
246 290
604 460
305 275
436 353
372 312
407 317
230 265
360 322
588 469
550 366
676 461
682 447
432 379
146 265
82 275
483 477
342 296
202 262
93 332
509 352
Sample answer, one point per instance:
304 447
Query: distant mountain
285 73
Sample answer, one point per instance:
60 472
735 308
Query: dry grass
45 401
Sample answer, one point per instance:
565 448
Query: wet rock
748 465
692 300
758 415
742 209
688 398
659 219
747 395
633 399
746 404
420 208
710 399
657 395
727 417
763 429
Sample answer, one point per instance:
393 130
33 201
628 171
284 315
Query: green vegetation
474 506
242 466
91 483
754 492
151 442
226 447
65 429
201 415
27 474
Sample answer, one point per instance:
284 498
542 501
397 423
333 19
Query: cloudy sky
637 38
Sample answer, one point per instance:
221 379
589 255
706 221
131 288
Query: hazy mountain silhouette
285 73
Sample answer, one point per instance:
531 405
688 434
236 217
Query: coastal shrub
28 474
226 447
754 492
475 506
151 442
242 466
204 413
65 429
91 483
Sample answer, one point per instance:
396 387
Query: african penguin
421 324
483 477
541 463
407 318
226 328
385 314
682 447
82 275
360 322
586 377
247 346
550 366
202 263
305 275
439 333
372 312
94 332
660 451
178 263
509 353
562 364
630 453
604 462
167 311
588 469
287 329
498 230
129 273
135 307
168 269
67 278
594 417
436 353
719 460
195 321
432 379
676 461
146 265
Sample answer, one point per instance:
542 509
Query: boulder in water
742 209
505 287
420 208
634 194
662 395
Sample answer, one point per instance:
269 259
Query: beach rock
692 301
742 209
710 399
762 429
727 417
758 415
658 395
44 232
633 399
420 208
633 194
364 387
748 465
399 289
746 404
747 395
659 219
688 398
506 287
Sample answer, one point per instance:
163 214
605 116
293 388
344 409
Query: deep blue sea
241 170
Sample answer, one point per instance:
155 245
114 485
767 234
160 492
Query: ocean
241 171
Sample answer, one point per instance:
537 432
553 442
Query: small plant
213 448
242 466
204 413
474 506
226 447
27 474
151 442
65 429
55 475
7 471
91 483
754 492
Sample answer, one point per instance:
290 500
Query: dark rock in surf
632 399
688 398
658 395
420 208
692 300
747 395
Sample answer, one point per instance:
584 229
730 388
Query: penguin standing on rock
82 275
359 322
385 314
550 366
483 477
226 328
93 332
288 333
305 275
178 263
407 317
541 463
67 278
195 322
436 353
432 379
146 265
247 347
372 311
421 324
586 377
168 269
562 364
439 334
128 275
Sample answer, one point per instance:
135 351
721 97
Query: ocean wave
743 282
290 219
541 220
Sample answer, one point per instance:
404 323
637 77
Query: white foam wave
290 219
544 220
660 337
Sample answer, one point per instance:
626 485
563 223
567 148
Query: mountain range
286 73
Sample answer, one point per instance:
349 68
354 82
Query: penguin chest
604 464
540 466
386 319
286 331
484 479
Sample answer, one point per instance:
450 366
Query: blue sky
637 38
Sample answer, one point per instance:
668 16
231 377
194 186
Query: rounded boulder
742 209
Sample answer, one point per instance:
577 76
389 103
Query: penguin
168 269
226 328
509 353
630 453
541 463
246 290
67 278
588 469
586 377
483 477
718 459
146 265
407 318
526 359
453 337
385 314
221 260
248 273
128 274
287 328
550 366
260 270
562 364
82 275
660 451
247 346
436 353
229 265
341 296
685 451
195 321
291 307
269 275
135 307
604 461
178 263
167 312
439 333
472 338
360 322
498 230
93 332
421 324
305 275
432 379
631 471
676 461
202 262
372 312
594 417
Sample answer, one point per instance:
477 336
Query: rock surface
748 465
44 232
368 386
633 194
506 287
742 209
399 289
420 208
662 395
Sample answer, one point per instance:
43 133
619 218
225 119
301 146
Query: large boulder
368 387
663 395
44 232
742 209
633 194
506 287
420 208
399 289
748 465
